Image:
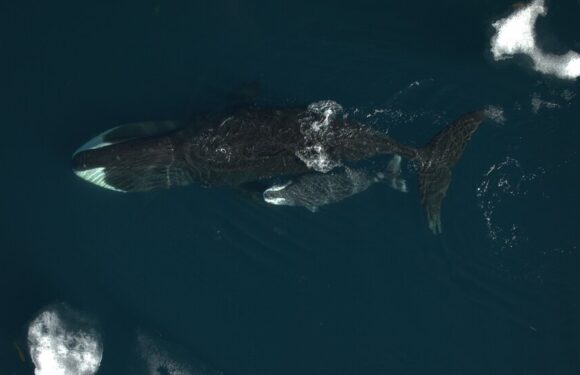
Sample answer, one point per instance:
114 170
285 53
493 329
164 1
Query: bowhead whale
253 144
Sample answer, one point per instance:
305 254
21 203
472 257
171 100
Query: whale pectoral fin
433 185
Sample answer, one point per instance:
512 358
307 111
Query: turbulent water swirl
314 125
504 184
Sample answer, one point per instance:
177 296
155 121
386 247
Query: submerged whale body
260 144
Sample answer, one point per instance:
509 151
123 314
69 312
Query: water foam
504 183
62 342
515 34
315 128
495 113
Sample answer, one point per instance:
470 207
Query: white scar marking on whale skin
226 120
97 176
515 35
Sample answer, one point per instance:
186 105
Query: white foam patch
315 127
504 183
97 177
328 109
515 35
394 165
538 103
399 184
316 158
495 113
58 349
568 95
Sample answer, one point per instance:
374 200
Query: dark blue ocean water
361 287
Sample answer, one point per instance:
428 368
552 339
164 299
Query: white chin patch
276 201
96 176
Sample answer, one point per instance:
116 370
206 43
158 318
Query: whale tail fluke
435 160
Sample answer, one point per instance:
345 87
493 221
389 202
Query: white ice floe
515 34
61 342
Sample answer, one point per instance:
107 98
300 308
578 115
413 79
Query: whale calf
230 149
314 190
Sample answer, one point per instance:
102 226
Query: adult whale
260 144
